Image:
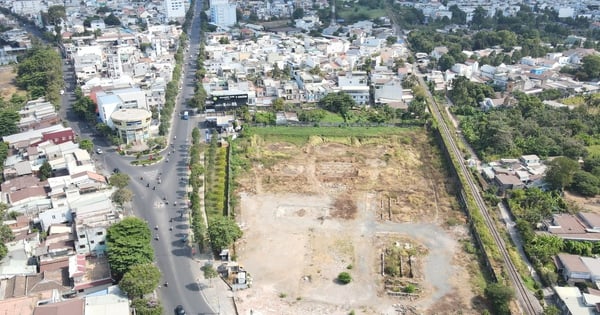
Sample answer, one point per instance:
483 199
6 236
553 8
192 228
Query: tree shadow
194 286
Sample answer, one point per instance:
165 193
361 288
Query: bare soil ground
589 204
332 205
7 85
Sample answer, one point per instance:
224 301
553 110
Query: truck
186 115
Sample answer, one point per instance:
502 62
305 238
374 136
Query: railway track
528 303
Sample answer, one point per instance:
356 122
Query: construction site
380 208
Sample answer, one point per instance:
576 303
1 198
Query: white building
222 13
174 9
110 101
355 85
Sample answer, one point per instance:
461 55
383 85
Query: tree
45 171
446 62
298 13
585 184
391 40
209 272
122 196
551 310
344 277
119 180
139 280
499 296
278 104
223 232
56 13
128 244
339 102
147 307
8 122
86 144
196 136
112 19
560 173
591 66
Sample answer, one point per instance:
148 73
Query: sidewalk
215 291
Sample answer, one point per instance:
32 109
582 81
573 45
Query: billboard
223 102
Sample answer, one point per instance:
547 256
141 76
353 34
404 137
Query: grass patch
300 135
593 149
331 118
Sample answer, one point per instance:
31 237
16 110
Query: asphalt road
173 255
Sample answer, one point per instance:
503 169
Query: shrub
344 278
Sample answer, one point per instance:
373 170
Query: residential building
89 274
584 226
111 298
223 13
37 114
71 307
355 85
174 9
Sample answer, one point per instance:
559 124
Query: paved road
173 256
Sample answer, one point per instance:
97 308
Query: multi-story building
174 9
133 125
222 13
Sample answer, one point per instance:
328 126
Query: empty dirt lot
312 210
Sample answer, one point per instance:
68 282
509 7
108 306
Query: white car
99 151
62 92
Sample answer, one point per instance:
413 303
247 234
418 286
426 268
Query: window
101 243
81 235
53 217
92 242
81 246
99 233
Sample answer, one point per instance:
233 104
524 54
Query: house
438 52
71 307
530 160
581 227
572 268
570 301
19 259
112 298
89 274
508 181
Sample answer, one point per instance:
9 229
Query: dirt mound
344 207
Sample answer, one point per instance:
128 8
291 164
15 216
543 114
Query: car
116 171
62 92
179 310
99 151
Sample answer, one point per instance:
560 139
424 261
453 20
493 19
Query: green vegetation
128 244
39 72
344 278
196 171
147 307
119 180
500 296
86 144
45 171
216 168
529 127
122 196
141 279
209 271
223 232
